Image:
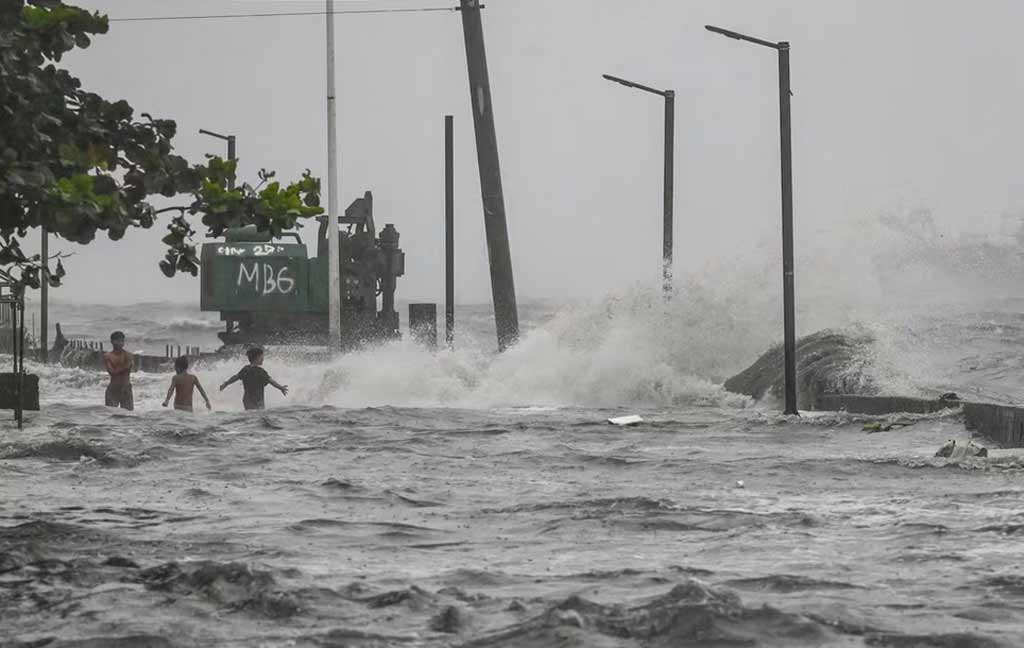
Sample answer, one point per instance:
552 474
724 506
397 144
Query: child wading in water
119 364
182 386
254 379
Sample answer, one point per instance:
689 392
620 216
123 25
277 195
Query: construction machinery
270 291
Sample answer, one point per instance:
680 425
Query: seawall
830 377
857 404
1003 424
92 359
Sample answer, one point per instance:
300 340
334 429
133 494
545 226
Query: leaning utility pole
333 268
503 290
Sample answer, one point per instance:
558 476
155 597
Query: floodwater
399 497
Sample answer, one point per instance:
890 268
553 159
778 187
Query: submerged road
318 526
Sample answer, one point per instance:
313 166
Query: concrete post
503 291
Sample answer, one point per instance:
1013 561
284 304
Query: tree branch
182 210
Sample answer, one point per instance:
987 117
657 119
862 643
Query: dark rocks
827 362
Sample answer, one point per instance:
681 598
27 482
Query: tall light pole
449 230
333 261
668 189
230 139
782 47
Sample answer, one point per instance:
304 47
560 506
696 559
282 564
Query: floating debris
632 419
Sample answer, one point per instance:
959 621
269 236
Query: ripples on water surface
515 527
464 518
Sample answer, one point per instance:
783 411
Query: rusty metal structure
270 291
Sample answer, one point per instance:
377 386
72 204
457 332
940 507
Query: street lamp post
669 180
786 147
230 139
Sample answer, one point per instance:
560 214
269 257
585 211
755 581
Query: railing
170 350
85 344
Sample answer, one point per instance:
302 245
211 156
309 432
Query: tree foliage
76 163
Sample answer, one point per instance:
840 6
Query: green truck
270 291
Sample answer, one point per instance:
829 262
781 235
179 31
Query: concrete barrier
92 359
881 404
830 377
29 391
1001 423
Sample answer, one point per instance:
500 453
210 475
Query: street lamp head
743 37
633 84
203 131
614 79
723 32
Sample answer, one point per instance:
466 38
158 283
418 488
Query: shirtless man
119 365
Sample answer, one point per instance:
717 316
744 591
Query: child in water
254 379
119 364
182 385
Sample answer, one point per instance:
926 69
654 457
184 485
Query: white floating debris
739 483
632 419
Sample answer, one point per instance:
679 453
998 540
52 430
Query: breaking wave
633 349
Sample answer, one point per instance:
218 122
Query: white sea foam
634 349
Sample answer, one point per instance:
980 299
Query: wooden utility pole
503 290
333 246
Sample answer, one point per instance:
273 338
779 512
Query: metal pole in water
449 231
503 290
786 139
669 186
20 306
333 261
44 297
14 358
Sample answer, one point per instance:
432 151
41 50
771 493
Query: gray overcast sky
896 103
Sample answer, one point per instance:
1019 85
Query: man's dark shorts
120 396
